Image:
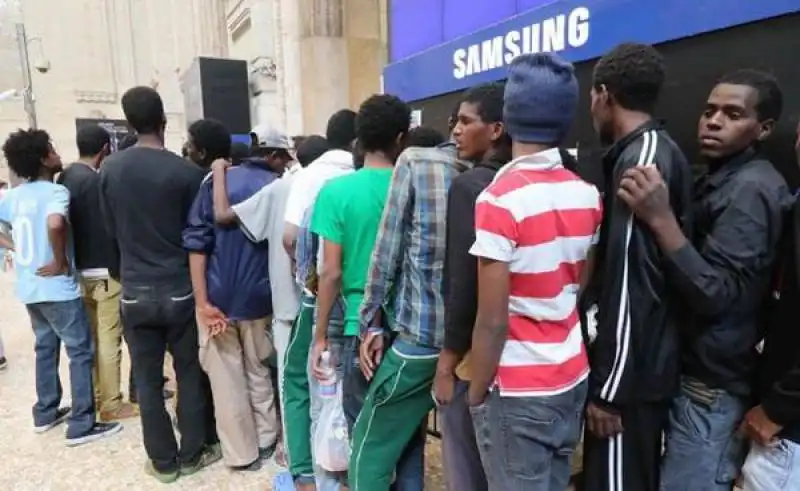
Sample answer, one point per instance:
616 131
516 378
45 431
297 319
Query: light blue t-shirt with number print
26 207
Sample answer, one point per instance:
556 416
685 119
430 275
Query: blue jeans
704 449
461 458
54 323
526 442
776 467
410 472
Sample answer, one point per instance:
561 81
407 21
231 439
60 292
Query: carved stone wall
97 49
330 54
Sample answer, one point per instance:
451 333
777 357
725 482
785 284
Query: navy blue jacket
237 272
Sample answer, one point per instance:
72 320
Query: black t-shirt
146 195
93 247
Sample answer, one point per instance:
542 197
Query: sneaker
124 411
256 465
266 453
98 431
61 415
162 477
3 363
210 455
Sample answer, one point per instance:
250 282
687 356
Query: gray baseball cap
269 137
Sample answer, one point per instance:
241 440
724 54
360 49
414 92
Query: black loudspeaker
218 88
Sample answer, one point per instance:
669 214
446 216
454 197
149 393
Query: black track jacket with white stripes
635 356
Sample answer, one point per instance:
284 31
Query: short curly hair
380 120
25 151
633 74
425 137
341 129
212 137
770 96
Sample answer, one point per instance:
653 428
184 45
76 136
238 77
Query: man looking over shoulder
723 274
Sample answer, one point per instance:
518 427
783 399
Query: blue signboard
416 25
577 30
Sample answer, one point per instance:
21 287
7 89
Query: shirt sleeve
254 214
735 252
386 255
326 221
198 235
495 229
299 199
59 205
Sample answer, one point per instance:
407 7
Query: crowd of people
648 323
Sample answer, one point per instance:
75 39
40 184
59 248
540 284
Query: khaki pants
101 301
244 403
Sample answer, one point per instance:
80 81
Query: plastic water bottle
327 386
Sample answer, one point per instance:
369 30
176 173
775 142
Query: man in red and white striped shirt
535 226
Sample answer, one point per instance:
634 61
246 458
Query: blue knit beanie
540 100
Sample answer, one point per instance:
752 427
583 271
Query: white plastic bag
331 443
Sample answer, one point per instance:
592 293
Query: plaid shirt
407 262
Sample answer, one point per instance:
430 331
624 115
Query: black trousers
630 461
157 318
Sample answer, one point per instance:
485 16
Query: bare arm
290 239
197 271
6 242
223 214
328 288
491 325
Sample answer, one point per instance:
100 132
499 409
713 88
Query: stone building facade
307 58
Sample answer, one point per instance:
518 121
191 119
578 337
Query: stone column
324 66
287 58
263 76
366 46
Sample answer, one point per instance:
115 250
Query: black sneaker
98 431
209 455
61 415
3 363
256 465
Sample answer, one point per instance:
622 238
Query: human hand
603 422
212 319
220 165
759 428
53 268
319 347
643 189
443 387
371 353
476 395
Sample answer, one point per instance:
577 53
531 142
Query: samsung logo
550 35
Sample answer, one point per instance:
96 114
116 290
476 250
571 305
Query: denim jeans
461 458
776 467
526 442
704 449
55 323
156 318
410 475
